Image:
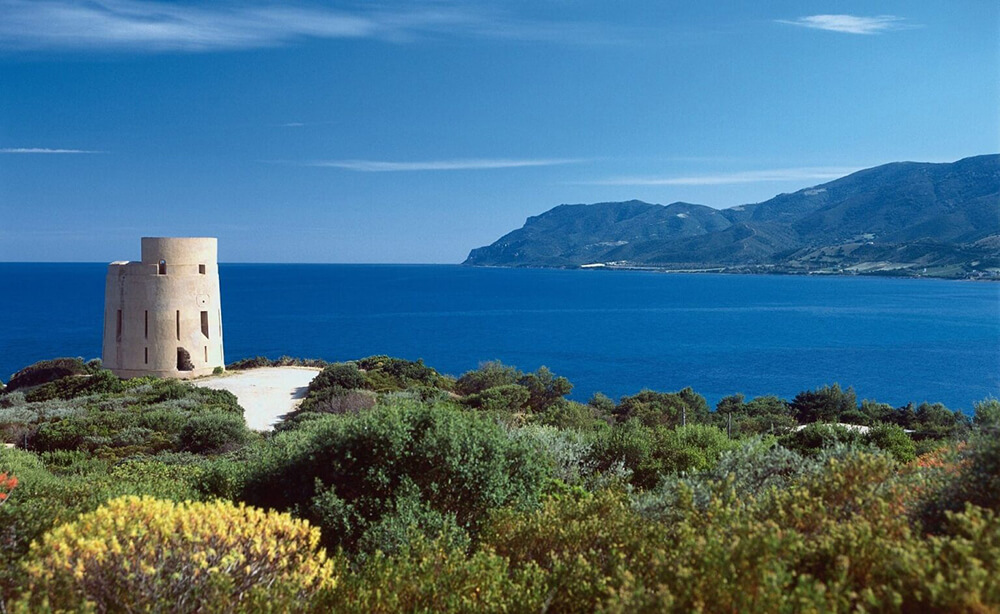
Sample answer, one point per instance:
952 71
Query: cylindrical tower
162 316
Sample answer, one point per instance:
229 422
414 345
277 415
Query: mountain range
904 218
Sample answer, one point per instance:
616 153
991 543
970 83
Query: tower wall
167 301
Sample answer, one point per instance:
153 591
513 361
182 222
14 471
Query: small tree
987 414
824 404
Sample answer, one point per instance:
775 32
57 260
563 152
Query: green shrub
695 447
566 452
811 438
339 375
893 439
155 477
45 497
565 414
544 389
387 374
833 539
652 453
742 474
761 415
47 371
491 374
67 434
77 386
507 398
602 404
213 432
663 408
630 446
432 575
976 481
349 473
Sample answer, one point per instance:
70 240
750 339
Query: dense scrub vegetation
396 488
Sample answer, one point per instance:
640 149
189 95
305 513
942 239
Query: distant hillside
899 218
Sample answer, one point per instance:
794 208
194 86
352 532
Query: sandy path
265 394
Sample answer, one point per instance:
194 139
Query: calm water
617 332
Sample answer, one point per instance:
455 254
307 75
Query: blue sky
415 131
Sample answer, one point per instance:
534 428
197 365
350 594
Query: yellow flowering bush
145 554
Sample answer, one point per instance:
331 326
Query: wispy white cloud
148 25
44 150
376 166
851 24
773 175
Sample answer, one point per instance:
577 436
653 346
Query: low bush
575 416
695 447
431 575
830 540
213 432
342 401
48 371
285 361
810 439
508 399
339 375
652 453
77 385
970 476
567 453
140 554
387 374
893 439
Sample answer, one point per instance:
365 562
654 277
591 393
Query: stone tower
162 316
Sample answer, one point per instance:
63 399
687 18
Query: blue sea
893 340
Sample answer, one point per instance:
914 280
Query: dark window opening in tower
184 360
201 269
204 323
162 270
118 329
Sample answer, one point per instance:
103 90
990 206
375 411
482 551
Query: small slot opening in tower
178 324
201 269
206 353
162 269
118 328
204 323
146 333
145 358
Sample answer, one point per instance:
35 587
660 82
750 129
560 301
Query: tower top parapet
180 250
